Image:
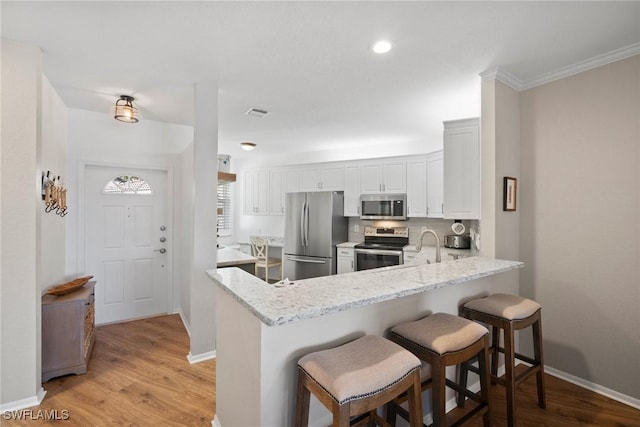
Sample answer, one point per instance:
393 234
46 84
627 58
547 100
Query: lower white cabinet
346 260
408 254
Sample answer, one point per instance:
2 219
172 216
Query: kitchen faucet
419 245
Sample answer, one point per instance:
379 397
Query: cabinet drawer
409 256
345 252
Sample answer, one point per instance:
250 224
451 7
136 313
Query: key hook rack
54 194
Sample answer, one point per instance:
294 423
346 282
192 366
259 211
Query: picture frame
510 194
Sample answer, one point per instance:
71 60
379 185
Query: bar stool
356 378
444 340
509 313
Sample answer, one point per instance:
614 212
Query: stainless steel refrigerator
314 225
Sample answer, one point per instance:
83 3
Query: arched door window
126 184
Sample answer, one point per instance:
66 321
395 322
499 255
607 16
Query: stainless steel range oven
382 247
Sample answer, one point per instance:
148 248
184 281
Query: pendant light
124 110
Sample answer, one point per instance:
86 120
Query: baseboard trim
184 322
29 402
201 357
596 388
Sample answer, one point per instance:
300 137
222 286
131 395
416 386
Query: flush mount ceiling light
124 110
381 46
247 146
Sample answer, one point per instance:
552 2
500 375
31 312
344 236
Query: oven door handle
378 252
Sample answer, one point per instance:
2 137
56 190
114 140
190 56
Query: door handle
161 250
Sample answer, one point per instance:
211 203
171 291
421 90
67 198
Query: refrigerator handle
306 224
302 223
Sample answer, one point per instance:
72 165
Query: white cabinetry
276 191
322 178
345 260
256 189
384 177
417 187
462 169
435 184
352 190
292 180
408 254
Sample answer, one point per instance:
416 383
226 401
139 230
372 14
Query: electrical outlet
424 228
356 228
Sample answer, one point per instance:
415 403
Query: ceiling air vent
256 112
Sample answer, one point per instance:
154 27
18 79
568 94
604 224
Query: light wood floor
567 405
139 376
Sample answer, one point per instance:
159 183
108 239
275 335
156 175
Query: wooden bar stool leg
537 352
415 402
464 374
509 376
438 392
302 404
342 418
495 345
485 381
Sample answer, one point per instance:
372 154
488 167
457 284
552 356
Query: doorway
126 241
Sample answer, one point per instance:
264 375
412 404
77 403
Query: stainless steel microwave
383 206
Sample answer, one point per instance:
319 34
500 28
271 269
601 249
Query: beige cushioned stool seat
442 332
360 368
510 307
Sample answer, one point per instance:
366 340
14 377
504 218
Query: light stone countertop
347 244
309 298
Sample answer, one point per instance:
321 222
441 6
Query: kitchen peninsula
263 329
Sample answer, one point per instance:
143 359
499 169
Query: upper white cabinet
256 189
276 191
417 187
322 178
292 180
435 185
462 169
384 177
352 190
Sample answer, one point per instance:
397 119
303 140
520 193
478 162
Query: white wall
580 216
205 172
20 370
52 157
184 214
500 153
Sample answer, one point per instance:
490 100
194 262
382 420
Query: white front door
126 241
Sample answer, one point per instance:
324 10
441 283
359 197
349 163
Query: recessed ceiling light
248 146
381 46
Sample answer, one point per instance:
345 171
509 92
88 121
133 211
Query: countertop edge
312 313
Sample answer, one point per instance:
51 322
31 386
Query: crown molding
509 79
579 67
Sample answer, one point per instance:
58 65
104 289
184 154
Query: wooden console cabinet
68 323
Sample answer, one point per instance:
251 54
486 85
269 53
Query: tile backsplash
440 226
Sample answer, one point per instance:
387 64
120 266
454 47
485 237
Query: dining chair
260 250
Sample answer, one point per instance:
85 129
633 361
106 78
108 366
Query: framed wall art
510 194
